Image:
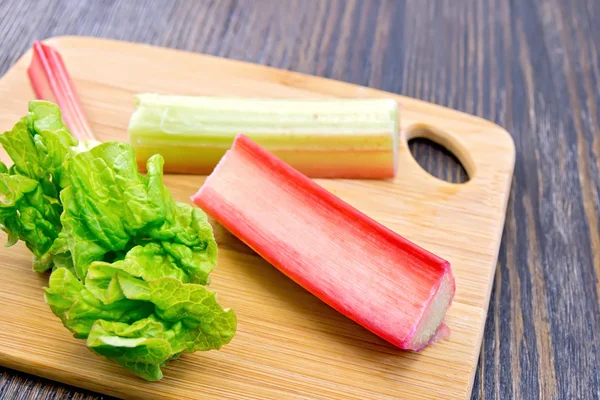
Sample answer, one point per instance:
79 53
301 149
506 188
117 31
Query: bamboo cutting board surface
289 344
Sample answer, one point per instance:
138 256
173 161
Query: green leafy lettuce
129 264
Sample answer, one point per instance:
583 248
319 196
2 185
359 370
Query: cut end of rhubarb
431 327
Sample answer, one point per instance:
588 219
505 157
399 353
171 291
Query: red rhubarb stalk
51 81
362 269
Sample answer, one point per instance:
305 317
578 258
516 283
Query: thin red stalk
51 81
364 270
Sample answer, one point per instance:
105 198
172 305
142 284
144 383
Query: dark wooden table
532 66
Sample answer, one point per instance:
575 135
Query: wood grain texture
532 66
289 344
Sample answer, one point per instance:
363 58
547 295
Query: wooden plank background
532 66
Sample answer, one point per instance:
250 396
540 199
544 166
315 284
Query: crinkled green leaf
20 145
187 318
27 214
109 207
129 263
142 347
78 308
38 144
148 262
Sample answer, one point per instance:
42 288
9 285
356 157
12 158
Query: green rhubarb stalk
351 138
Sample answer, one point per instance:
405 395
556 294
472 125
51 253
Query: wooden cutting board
289 344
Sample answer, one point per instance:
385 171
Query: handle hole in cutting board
434 157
